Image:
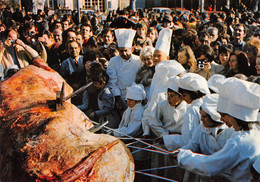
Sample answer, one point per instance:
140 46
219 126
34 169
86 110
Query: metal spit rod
155 176
166 151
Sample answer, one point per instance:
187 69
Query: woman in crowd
145 74
141 40
238 63
187 59
222 58
152 33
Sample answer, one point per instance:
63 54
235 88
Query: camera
201 63
31 33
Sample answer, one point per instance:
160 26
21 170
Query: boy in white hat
168 115
131 120
122 69
193 88
242 150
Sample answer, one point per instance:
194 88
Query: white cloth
208 140
216 68
166 119
193 82
173 86
239 153
131 121
190 123
163 42
256 165
224 87
122 73
163 71
125 37
136 92
213 80
244 100
209 105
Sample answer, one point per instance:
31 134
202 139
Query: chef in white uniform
242 150
168 115
164 69
122 69
131 120
193 87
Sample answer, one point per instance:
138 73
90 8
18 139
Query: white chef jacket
166 119
190 123
122 73
131 121
239 153
209 140
158 90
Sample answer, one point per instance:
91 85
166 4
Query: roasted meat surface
40 143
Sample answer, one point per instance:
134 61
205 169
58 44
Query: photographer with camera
204 60
30 37
14 51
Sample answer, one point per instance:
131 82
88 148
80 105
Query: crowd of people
190 81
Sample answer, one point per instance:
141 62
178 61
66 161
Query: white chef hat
209 105
169 68
125 37
136 92
224 87
164 41
212 81
172 84
256 165
12 67
244 100
193 82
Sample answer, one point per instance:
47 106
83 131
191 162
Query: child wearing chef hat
131 120
168 115
122 69
193 88
211 135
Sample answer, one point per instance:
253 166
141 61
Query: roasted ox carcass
39 143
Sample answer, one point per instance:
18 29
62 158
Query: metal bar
132 143
135 139
149 150
78 91
144 139
140 150
97 128
155 176
152 169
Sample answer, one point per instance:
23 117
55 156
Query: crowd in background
200 48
